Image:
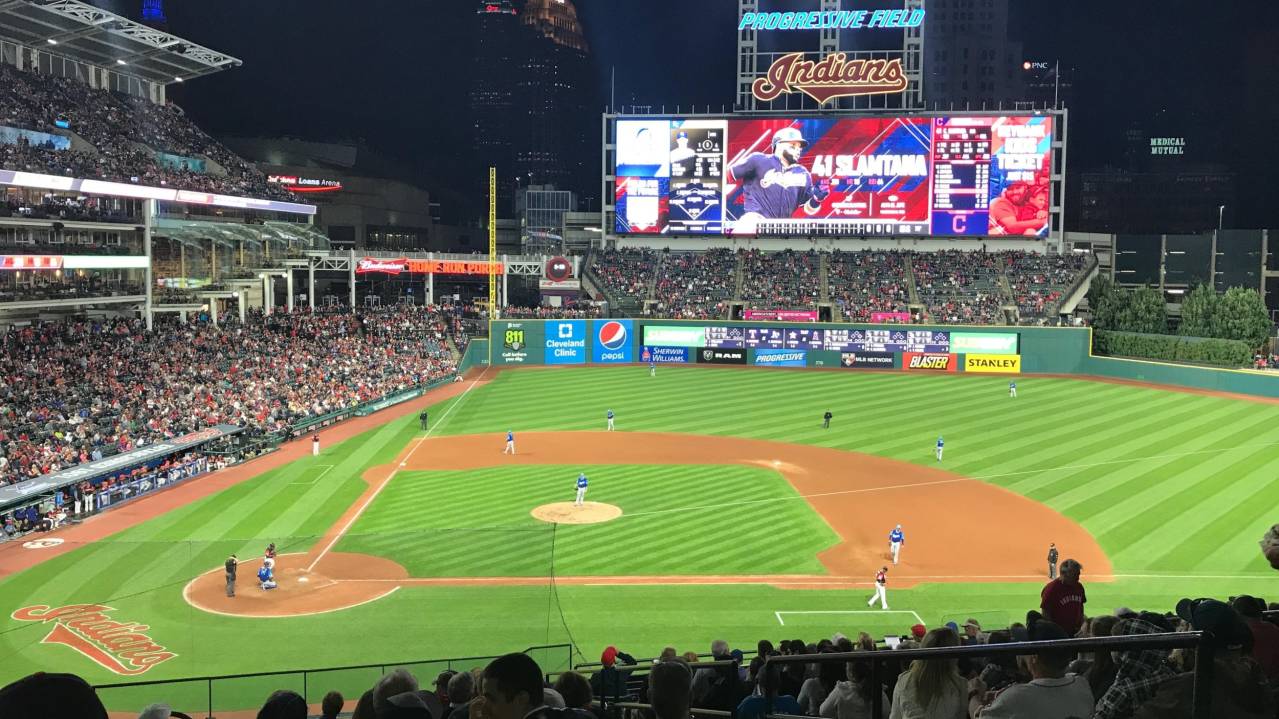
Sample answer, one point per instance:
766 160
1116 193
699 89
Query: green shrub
1172 348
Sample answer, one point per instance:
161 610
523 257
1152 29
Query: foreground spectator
1265 636
1062 600
609 683
50 696
1239 687
575 690
331 705
670 690
461 690
852 699
1050 694
756 705
932 688
512 689
1138 674
283 705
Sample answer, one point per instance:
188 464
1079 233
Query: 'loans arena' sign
120 647
830 77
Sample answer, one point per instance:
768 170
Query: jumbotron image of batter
774 186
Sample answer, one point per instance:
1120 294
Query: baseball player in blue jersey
775 185
609 416
652 368
266 578
896 539
510 443
1012 389
581 489
940 445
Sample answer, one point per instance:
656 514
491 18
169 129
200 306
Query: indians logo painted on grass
120 647
612 336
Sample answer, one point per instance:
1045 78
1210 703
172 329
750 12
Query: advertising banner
664 355
512 340
614 341
823 358
710 355
929 361
367 265
868 360
780 358
566 342
998 364
674 336
990 343
780 315
897 317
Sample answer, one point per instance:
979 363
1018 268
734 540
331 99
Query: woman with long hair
815 690
853 699
932 688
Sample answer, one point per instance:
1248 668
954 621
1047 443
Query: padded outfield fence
848 347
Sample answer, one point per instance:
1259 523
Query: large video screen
906 175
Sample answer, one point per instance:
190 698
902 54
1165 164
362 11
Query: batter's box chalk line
918 619
326 467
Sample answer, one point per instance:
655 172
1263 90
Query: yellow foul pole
493 243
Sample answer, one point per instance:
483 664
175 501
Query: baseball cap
789 134
1248 606
1224 626
609 657
919 630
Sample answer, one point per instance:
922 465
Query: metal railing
307 674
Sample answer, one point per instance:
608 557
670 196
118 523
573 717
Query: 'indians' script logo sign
120 647
833 76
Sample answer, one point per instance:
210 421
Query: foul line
394 470
913 485
327 468
918 619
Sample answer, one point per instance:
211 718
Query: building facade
969 60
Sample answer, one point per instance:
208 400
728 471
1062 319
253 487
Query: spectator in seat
670 690
932 688
283 704
331 705
1265 636
1239 687
1051 692
1001 670
512 689
1062 600
1138 673
1099 667
717 687
1270 546
575 689
609 683
50 696
815 690
852 699
756 705
461 690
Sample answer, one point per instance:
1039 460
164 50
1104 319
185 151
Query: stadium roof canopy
91 35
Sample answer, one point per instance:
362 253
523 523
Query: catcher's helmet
789 134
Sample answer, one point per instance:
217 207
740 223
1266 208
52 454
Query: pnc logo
120 647
612 335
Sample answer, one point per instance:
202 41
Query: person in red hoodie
1265 636
1062 600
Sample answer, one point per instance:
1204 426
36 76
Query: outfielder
940 445
315 445
896 539
881 589
1012 389
510 443
775 185
609 416
581 489
652 368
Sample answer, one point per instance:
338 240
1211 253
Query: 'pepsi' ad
614 341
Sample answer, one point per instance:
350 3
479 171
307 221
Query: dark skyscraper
969 60
497 63
558 144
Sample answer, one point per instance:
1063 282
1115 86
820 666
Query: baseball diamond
421 538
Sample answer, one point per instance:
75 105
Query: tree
1143 311
1241 315
1104 301
1197 312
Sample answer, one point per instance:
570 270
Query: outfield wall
914 348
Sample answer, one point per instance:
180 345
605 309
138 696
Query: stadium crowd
786 279
696 285
959 287
1039 281
863 283
125 134
73 392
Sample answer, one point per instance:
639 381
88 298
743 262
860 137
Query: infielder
1052 561
775 185
609 416
231 564
896 539
510 443
581 490
940 445
1012 389
881 589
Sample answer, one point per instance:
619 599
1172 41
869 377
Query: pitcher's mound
568 513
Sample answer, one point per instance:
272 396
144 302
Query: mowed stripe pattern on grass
477 523
1165 480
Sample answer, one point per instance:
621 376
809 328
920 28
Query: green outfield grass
1176 487
487 511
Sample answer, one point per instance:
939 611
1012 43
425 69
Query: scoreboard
806 338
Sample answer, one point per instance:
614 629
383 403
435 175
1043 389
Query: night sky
392 73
